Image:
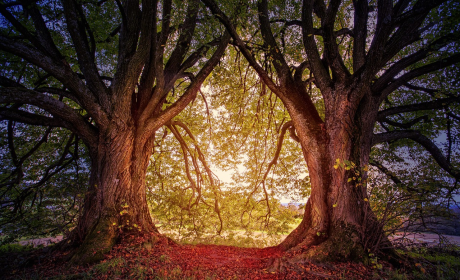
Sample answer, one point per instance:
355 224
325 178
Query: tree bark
338 222
116 199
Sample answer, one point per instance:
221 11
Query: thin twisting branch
210 174
416 136
279 145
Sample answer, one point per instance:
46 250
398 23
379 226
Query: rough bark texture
116 200
338 222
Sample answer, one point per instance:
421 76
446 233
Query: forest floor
153 257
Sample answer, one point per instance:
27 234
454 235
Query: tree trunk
338 222
116 200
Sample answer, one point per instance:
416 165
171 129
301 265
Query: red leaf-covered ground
152 257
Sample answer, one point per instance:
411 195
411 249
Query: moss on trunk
342 244
97 243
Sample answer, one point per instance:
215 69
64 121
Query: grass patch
424 263
114 265
14 248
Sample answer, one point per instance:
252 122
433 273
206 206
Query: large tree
336 65
113 73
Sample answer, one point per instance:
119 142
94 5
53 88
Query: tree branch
405 125
58 91
202 159
60 70
6 82
322 78
32 119
278 61
58 109
385 170
416 136
211 4
427 90
417 73
183 43
279 145
185 151
21 28
77 30
361 16
152 124
421 54
382 32
431 105
42 31
331 49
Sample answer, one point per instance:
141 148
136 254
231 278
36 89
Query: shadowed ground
155 257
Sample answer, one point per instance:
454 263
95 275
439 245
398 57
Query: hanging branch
208 115
185 150
284 128
416 136
19 162
210 174
34 189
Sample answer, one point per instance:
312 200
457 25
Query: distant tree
352 75
112 73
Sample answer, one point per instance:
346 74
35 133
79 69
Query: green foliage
355 172
14 248
427 263
374 261
43 179
237 131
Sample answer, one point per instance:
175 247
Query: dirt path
153 257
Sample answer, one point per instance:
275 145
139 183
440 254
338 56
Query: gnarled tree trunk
116 199
338 222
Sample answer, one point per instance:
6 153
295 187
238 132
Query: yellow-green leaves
356 172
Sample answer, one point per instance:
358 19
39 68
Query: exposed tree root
97 243
343 244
